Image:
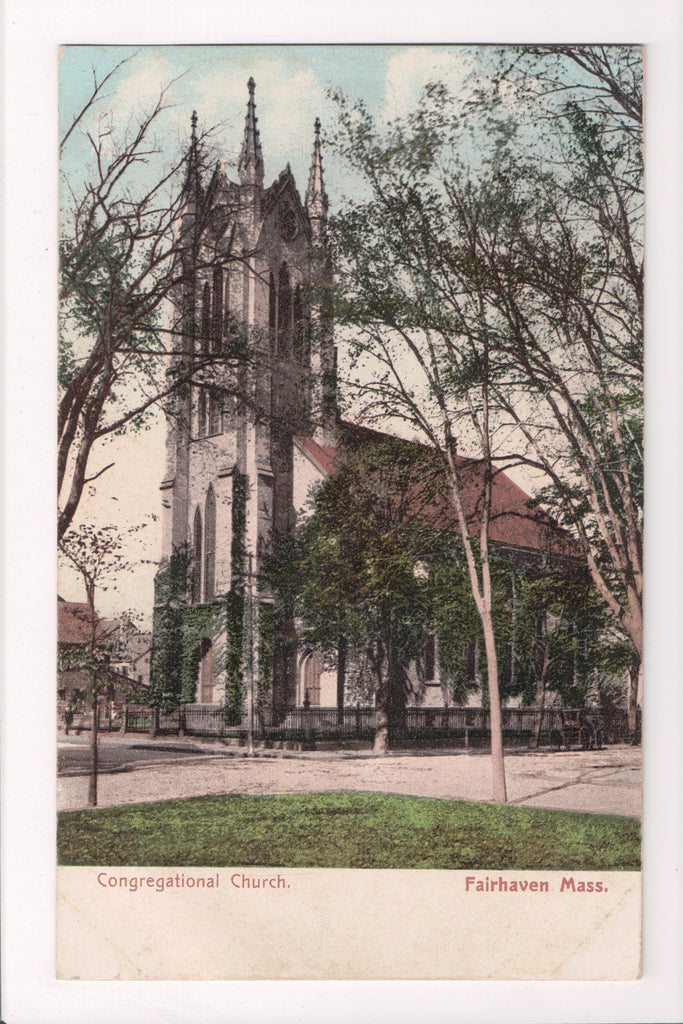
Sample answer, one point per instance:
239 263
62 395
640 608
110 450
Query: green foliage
498 247
235 603
199 621
358 552
170 605
267 638
348 830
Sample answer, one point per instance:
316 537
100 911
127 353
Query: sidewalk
602 782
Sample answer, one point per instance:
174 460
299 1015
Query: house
77 634
257 429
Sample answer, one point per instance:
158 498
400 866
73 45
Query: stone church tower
257 345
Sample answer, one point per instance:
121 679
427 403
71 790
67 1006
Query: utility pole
250 652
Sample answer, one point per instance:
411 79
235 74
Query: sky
293 87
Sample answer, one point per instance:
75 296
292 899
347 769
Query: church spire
192 175
251 158
316 196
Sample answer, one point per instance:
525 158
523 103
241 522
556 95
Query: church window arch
272 310
299 324
217 311
226 340
210 545
206 318
202 416
215 416
310 680
196 579
205 671
429 657
284 319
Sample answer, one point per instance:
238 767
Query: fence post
125 718
181 721
357 719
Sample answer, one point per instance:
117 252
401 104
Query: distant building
75 631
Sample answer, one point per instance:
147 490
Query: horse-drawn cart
577 729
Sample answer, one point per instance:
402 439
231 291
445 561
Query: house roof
516 521
74 623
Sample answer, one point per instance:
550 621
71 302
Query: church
252 434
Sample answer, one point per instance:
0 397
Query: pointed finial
316 197
251 158
192 182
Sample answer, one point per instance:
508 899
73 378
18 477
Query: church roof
516 520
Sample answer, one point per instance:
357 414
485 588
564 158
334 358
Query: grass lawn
346 830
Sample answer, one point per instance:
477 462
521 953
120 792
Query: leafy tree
424 346
356 571
96 554
496 299
564 272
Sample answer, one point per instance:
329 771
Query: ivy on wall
178 632
234 691
198 622
170 600
266 644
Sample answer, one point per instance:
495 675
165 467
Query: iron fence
454 726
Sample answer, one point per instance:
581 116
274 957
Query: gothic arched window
210 545
299 324
217 311
215 414
201 413
272 310
311 680
196 583
206 319
429 657
205 672
284 319
226 313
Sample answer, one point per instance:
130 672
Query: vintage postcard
332 702
350 528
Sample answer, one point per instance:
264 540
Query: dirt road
606 781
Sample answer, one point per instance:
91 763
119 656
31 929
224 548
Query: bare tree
133 248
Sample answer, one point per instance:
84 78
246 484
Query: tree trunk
541 671
632 697
341 678
381 744
497 760
92 785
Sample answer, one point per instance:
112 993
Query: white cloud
412 69
286 106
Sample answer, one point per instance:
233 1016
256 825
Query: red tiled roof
516 521
74 623
325 457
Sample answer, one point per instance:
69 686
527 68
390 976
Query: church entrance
310 683
205 672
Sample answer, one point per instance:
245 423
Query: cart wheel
585 739
556 740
